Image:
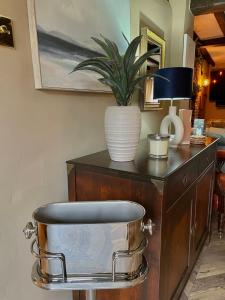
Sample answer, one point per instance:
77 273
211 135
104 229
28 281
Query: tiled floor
207 281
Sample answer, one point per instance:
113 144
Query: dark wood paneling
203 193
175 256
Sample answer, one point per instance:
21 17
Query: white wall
39 131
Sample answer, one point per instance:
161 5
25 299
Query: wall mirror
151 41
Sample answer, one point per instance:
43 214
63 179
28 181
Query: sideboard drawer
180 181
205 159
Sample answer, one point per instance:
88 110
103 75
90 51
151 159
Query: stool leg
220 215
91 295
220 224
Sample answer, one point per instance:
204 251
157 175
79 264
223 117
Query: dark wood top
143 166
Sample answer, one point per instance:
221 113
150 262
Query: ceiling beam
204 52
209 42
207 56
196 39
213 42
220 17
200 7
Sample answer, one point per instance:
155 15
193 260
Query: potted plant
121 73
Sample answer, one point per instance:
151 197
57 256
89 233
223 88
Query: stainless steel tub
91 238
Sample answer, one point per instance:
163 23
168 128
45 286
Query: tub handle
29 229
50 256
148 226
127 253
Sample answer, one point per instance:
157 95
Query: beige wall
182 22
157 15
39 131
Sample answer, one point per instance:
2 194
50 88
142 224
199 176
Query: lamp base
178 126
171 141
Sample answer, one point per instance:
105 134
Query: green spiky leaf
128 43
118 71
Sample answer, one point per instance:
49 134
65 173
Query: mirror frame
149 36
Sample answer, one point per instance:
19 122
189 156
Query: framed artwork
153 42
6 34
60 35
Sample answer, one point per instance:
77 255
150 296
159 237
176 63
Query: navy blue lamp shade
178 87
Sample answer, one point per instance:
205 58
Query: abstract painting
60 34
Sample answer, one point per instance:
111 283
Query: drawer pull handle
185 180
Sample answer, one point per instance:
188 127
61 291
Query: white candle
158 145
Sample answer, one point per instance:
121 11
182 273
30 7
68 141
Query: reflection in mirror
151 42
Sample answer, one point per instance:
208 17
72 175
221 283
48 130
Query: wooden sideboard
176 194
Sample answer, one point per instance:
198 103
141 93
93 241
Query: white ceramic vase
122 131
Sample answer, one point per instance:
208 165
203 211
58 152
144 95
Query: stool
220 155
220 190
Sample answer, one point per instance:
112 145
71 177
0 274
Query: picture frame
6 32
57 47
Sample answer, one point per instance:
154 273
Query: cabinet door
176 238
203 207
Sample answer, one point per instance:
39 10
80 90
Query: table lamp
177 87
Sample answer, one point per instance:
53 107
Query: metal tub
89 238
